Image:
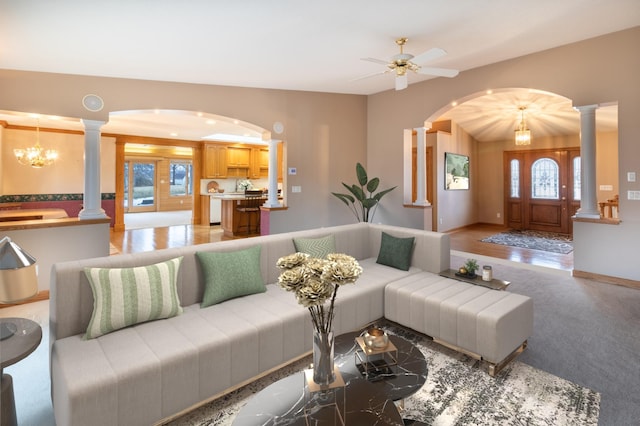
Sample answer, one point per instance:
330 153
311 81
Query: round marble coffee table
366 400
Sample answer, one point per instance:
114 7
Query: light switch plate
631 176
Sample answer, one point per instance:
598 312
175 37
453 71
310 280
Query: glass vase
323 373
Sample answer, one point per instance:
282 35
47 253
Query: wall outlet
606 187
498 215
631 176
293 170
440 221
296 189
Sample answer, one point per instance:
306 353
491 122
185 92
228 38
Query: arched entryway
160 143
482 126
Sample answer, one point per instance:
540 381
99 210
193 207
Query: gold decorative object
375 338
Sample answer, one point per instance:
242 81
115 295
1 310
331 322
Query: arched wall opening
481 125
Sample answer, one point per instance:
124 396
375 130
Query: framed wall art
456 171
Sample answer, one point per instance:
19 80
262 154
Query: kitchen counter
234 222
232 195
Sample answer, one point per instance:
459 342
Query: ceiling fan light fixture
523 134
36 156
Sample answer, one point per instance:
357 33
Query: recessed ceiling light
212 122
454 103
173 134
235 121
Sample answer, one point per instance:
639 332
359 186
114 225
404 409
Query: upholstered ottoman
487 324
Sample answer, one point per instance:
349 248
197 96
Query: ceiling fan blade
429 55
377 61
401 82
440 72
370 75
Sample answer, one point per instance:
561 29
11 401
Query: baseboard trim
42 295
607 279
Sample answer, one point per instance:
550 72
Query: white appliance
215 209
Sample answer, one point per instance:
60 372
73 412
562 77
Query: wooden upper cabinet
215 161
259 163
238 157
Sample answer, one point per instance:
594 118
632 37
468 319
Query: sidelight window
515 179
577 190
545 176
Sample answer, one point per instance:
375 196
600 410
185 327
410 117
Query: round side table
15 347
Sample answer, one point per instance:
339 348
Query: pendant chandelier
36 156
523 135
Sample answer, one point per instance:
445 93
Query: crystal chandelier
523 135
36 156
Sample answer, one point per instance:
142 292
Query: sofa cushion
228 275
395 252
316 247
127 296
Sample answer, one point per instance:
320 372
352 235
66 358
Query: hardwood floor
468 240
148 239
463 240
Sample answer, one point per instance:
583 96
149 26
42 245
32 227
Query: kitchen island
240 213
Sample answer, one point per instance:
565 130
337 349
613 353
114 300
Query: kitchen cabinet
238 161
259 163
215 161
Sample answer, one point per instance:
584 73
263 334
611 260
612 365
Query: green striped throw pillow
128 296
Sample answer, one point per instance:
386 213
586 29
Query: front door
542 189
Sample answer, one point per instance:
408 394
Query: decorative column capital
92 124
586 108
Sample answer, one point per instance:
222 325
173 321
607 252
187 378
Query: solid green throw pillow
128 296
316 247
230 274
395 252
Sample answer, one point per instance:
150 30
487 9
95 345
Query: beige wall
599 70
66 176
325 134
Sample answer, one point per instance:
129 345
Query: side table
26 337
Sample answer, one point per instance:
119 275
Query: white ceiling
291 44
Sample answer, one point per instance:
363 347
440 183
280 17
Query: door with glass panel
139 186
542 189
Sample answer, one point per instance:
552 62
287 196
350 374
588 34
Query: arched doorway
157 142
482 126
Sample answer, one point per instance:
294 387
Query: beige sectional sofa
151 372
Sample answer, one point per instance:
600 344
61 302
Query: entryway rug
536 240
458 391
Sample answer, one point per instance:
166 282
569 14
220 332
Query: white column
272 200
588 198
407 186
92 208
421 167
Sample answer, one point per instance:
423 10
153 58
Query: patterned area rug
458 391
536 240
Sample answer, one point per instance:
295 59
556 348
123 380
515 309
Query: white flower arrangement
244 184
314 281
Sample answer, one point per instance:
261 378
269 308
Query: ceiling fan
404 62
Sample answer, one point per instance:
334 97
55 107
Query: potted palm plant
361 199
